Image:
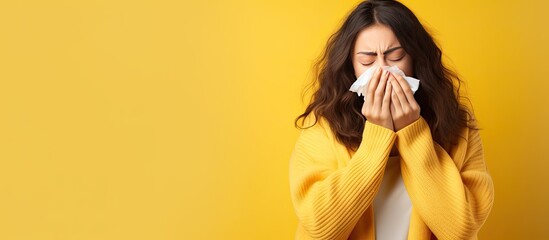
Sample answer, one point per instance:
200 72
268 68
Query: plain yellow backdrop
174 119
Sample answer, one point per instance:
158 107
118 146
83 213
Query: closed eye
397 59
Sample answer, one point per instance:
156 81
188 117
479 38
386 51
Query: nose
381 62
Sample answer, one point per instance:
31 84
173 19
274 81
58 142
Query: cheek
407 70
406 67
358 68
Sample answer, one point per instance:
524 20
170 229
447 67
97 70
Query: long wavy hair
438 95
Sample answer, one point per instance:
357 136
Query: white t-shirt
392 205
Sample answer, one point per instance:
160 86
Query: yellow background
174 120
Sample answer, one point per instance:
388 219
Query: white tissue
363 79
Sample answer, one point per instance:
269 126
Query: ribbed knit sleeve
328 200
452 196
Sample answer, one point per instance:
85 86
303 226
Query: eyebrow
384 53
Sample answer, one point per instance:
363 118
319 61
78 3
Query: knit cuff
376 140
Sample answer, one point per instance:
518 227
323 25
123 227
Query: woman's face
377 45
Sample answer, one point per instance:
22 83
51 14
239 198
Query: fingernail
378 69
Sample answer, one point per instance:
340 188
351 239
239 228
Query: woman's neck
394 151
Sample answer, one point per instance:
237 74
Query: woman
394 164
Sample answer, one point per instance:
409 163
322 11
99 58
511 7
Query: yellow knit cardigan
332 189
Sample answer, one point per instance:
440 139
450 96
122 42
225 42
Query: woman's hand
377 100
404 108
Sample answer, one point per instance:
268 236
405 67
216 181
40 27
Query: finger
393 109
380 90
372 85
406 88
400 94
387 97
395 101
